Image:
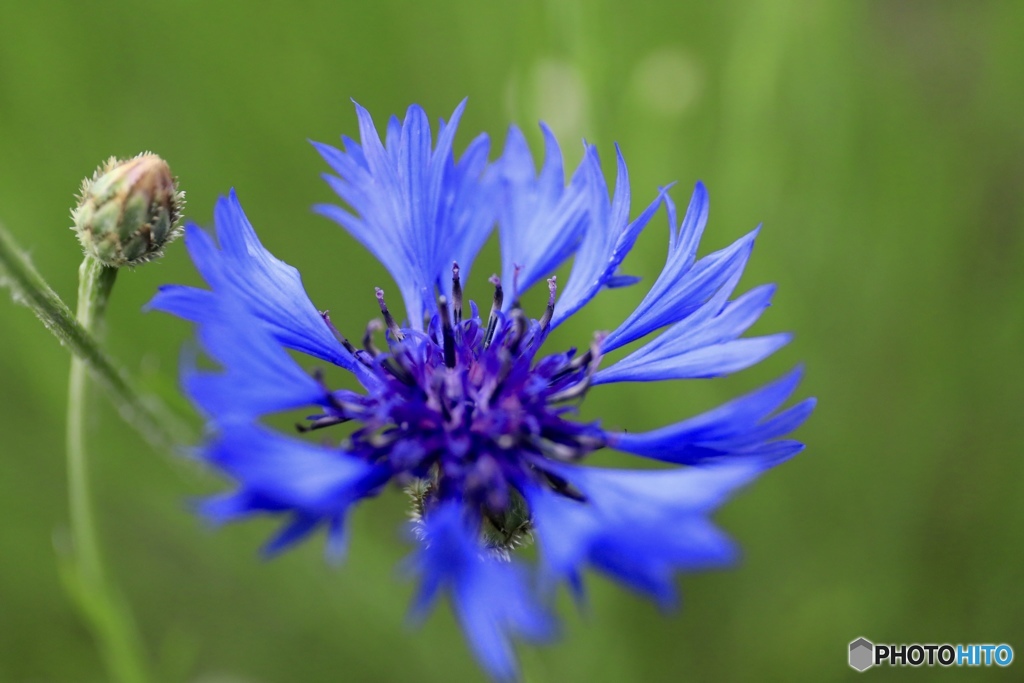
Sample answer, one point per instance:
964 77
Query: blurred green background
881 143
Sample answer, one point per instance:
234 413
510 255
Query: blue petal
608 237
541 219
190 303
313 484
640 527
740 428
684 285
292 533
470 202
490 596
413 207
703 344
617 281
258 377
703 363
306 477
248 275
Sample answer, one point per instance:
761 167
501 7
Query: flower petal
472 195
245 273
258 376
607 239
313 484
684 284
414 208
541 219
639 527
703 344
740 428
190 303
490 596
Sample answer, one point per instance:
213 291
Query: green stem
109 615
154 421
95 283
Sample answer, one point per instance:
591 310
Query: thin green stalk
153 420
109 615
95 283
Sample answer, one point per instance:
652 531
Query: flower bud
128 210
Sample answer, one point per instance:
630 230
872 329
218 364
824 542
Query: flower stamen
396 332
342 339
372 328
492 319
447 334
321 423
456 294
545 320
520 325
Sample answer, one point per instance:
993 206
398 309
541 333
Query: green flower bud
128 211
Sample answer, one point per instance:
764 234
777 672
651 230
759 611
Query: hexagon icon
862 653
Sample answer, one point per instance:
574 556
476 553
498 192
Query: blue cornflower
461 408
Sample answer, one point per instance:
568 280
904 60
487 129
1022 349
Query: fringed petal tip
640 528
411 202
742 429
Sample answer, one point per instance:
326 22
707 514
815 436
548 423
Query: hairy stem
154 421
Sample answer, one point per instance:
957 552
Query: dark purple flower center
466 411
